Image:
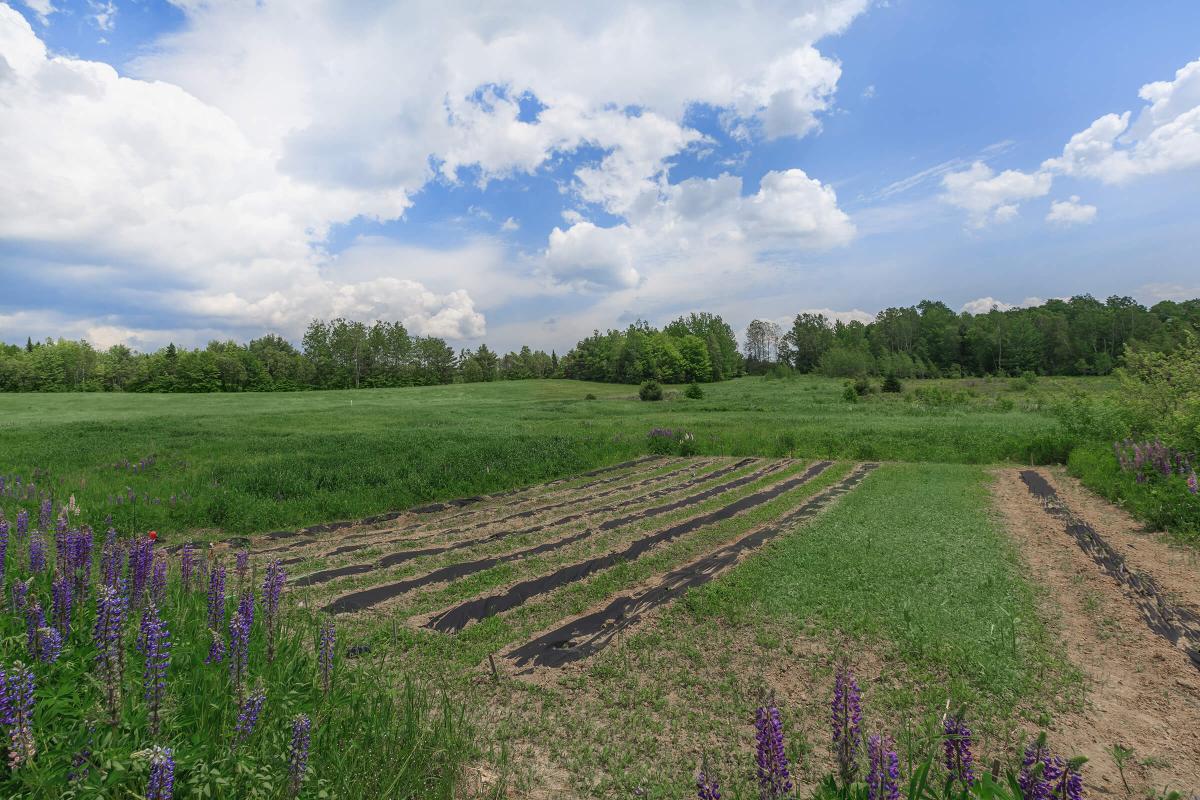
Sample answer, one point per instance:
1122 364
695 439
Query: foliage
697 348
651 391
693 391
665 441
891 385
1080 336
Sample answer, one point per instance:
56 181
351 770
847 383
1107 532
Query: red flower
153 536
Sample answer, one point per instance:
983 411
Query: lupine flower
326 652
16 712
3 545
847 720
248 715
49 644
20 595
156 644
1192 484
242 566
158 579
1038 770
216 647
61 550
216 598
110 654
272 590
239 651
161 785
187 565
298 752
111 558
246 607
707 787
883 777
141 557
774 779
37 553
45 514
960 763
22 523
34 618
79 562
61 596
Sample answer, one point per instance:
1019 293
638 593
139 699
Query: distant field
252 462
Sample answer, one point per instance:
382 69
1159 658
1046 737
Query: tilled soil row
399 557
587 634
457 617
374 595
1178 625
313 533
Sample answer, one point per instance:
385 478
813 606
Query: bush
694 391
849 394
589 396
651 391
862 386
891 384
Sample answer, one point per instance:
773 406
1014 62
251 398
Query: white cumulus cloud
989 197
1070 212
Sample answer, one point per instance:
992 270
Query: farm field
608 616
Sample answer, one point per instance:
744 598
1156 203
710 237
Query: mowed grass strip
909 575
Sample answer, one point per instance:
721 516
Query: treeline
338 354
698 347
1080 336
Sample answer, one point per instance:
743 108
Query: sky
527 172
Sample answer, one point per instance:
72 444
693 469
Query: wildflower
216 598
61 598
774 779
246 607
847 719
16 713
49 644
187 565
156 645
111 557
161 785
37 553
45 513
158 578
216 648
883 777
272 590
1192 485
298 752
34 618
20 594
239 651
22 523
107 635
3 545
248 715
707 787
960 763
61 551
141 558
242 565
79 561
326 651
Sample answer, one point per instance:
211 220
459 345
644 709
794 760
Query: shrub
862 386
891 384
849 394
651 391
589 396
694 391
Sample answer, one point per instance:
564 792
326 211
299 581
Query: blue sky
527 175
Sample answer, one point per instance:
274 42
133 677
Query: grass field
770 551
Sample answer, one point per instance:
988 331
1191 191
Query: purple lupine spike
20 595
141 558
847 721
774 778
707 787
1192 484
239 652
187 565
156 644
16 710
272 590
112 556
245 607
1033 778
883 777
242 566
49 644
248 716
960 763
79 560
326 653
45 515
3 546
37 552
216 598
108 633
61 591
161 785
298 752
22 523
61 546
35 618
158 579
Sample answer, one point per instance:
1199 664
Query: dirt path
1143 692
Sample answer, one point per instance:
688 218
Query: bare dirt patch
1143 693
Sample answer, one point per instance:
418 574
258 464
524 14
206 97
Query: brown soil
1143 693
